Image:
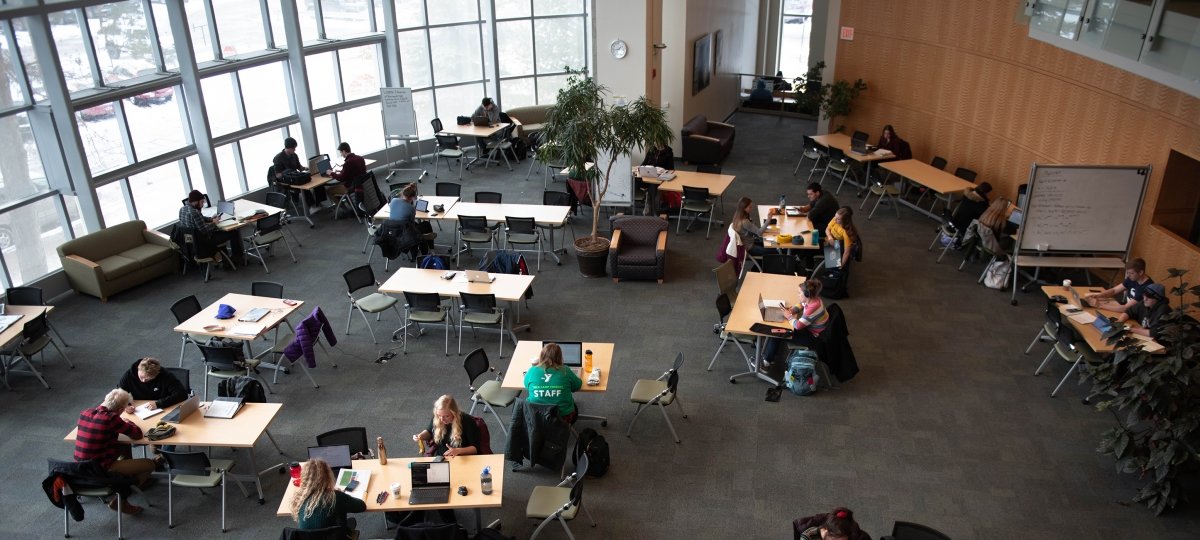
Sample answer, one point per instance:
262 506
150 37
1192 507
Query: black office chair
903 530
31 296
696 200
447 189
965 173
227 363
710 169
184 309
448 148
938 162
784 264
267 231
473 230
489 197
281 200
354 437
437 125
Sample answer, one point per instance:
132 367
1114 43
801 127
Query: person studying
450 433
210 236
288 170
317 505
351 173
1132 286
821 206
549 382
1148 311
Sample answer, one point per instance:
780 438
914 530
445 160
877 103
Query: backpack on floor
433 261
997 274
596 448
801 375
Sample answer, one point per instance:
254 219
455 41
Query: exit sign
847 33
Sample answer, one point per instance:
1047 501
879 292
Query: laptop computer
336 455
1102 323
481 121
320 164
226 210
647 171
572 352
858 146
422 205
254 315
1073 299
772 312
223 407
479 276
184 410
431 483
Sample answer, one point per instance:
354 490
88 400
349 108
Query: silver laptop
254 315
226 209
479 276
572 352
184 410
647 171
1073 299
430 483
771 313
223 407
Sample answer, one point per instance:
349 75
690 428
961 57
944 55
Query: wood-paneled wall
962 80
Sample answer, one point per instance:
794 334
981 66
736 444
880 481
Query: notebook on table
254 315
184 410
223 407
337 456
8 320
431 483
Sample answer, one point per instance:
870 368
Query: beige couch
109 261
531 118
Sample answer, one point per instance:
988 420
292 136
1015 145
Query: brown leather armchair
639 248
706 142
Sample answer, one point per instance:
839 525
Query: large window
795 32
535 41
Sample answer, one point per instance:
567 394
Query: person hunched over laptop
317 505
487 108
450 433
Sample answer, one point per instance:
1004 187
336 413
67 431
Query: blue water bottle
816 237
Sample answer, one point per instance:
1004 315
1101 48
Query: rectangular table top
434 200
509 287
241 431
242 303
1090 333
715 183
929 176
464 471
793 225
771 286
13 332
841 141
244 211
542 214
527 353
315 179
472 130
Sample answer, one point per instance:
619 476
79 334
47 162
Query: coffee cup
1066 284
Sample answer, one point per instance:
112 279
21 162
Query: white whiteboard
399 117
620 182
1082 208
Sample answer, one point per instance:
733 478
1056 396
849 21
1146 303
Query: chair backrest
556 198
727 279
490 197
431 531
938 162
477 303
476 364
418 301
447 142
207 202
581 468
860 135
277 199
1066 335
270 223
183 375
810 144
678 361
35 328
724 307
335 532
705 168
185 308
354 437
520 225
359 277
696 194
965 173
447 189
24 296
673 381
903 530
223 358
188 463
473 223
437 124
837 156
268 289
775 263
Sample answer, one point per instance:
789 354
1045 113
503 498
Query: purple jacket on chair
307 335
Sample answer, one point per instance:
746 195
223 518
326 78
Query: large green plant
583 127
837 98
1156 402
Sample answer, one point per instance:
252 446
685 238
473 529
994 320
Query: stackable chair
662 392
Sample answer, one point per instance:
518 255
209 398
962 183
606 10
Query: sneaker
326 203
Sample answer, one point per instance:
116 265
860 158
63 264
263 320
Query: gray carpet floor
945 425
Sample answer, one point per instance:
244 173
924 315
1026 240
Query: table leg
304 210
752 365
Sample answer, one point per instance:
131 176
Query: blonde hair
150 366
995 216
116 399
316 489
447 403
551 357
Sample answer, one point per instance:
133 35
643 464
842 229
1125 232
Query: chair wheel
604 423
260 502
732 380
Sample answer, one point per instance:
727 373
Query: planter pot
592 256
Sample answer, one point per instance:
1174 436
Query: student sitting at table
842 229
807 319
97 439
210 235
548 382
317 505
761 96
888 140
403 208
351 173
450 432
663 157
146 379
744 237
836 525
821 206
1135 282
288 170
1148 311
973 204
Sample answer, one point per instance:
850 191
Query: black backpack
596 448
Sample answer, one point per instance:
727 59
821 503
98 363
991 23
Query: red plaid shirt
97 435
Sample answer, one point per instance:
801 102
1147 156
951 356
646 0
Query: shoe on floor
326 203
126 508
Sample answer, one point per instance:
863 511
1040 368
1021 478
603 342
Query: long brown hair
847 215
741 213
447 403
551 357
995 216
316 489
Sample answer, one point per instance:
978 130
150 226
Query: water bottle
587 362
782 203
485 481
381 450
816 237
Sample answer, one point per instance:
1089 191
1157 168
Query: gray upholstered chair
639 248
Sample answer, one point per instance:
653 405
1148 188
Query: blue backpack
801 376
433 261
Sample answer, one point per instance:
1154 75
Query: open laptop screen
426 474
422 205
337 456
572 352
226 207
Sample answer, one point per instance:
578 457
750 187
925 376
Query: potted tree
584 127
1155 399
836 99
